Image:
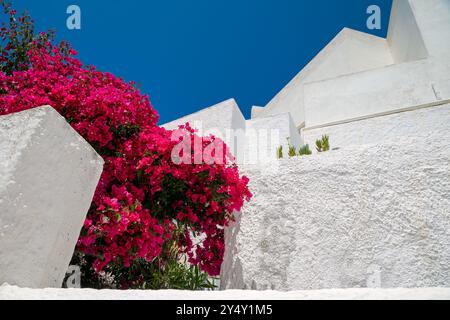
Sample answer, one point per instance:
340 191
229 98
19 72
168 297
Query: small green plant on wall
323 144
280 152
292 151
305 151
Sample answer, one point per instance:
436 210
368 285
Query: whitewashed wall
252 141
404 36
223 116
48 176
419 123
358 75
265 135
223 120
419 39
370 215
433 20
349 52
377 92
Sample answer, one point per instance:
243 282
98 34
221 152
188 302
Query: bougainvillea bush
148 212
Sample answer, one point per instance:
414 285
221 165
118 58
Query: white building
373 212
376 211
359 76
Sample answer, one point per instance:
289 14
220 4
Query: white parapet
252 141
419 123
266 134
223 120
222 116
367 215
48 176
377 92
256 111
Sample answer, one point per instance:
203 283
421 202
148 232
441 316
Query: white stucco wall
48 176
418 30
223 120
250 141
223 116
349 52
16 293
404 37
374 213
358 75
256 111
376 92
386 129
273 132
433 20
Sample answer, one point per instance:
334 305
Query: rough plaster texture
371 215
48 175
16 293
419 123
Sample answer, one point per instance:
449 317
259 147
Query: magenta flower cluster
144 200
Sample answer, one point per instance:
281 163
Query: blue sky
190 54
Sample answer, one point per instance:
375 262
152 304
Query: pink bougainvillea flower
142 195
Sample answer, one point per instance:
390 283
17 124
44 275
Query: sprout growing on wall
305 151
323 144
280 152
292 152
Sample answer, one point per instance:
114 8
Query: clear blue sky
190 54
